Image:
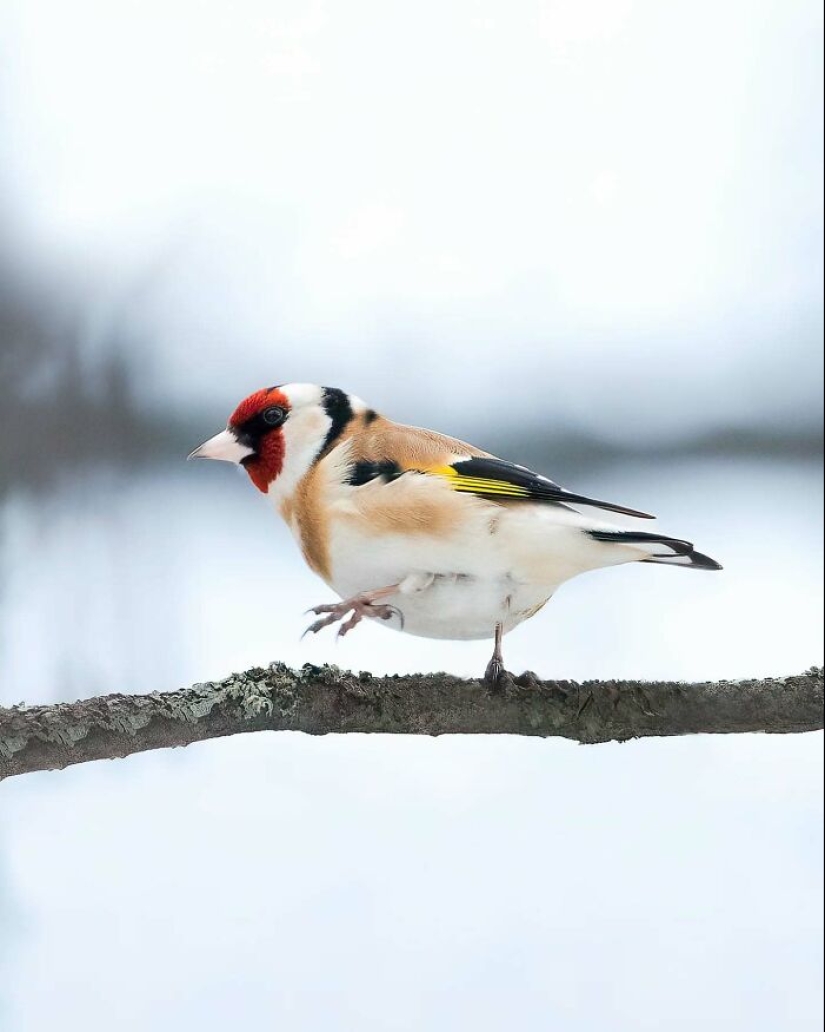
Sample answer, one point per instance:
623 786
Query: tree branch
323 700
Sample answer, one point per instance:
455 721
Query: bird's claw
319 624
357 608
495 674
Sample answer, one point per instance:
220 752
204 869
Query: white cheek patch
304 434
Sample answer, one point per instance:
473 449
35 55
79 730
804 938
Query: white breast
457 584
465 607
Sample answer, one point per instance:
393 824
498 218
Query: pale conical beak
225 447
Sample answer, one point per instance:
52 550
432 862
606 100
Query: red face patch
264 467
256 403
270 446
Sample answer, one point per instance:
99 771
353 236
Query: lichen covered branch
326 700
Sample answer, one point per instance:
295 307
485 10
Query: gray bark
324 700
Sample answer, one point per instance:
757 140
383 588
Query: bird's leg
368 603
495 668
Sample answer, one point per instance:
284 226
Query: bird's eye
274 416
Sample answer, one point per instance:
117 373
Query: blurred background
586 236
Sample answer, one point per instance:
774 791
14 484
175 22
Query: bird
420 531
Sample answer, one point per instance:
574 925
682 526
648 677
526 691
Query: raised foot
357 607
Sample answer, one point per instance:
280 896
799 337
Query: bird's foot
357 608
495 674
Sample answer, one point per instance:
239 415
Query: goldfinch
422 532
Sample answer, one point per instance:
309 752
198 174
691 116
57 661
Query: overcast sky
615 205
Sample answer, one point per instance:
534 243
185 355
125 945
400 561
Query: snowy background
586 236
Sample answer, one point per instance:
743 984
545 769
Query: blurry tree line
59 403
63 403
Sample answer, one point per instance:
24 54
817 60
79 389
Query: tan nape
377 438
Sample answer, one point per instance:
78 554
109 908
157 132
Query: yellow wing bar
479 485
491 477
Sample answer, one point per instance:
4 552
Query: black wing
495 478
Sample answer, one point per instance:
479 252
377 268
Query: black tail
673 551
